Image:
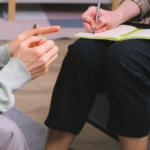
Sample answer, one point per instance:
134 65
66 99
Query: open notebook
122 32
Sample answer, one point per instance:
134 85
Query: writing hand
106 20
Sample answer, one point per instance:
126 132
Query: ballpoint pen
97 13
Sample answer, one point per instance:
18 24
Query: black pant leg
76 86
127 78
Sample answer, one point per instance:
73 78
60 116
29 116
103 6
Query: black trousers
122 69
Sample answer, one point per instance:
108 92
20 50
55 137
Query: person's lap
79 80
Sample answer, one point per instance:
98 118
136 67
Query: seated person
124 67
25 58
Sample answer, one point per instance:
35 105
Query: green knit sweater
13 75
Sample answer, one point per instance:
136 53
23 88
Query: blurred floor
34 100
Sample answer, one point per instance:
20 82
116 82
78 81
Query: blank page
112 33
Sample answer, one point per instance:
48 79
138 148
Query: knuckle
82 16
43 61
52 42
32 38
56 48
29 33
44 72
45 66
56 55
20 45
37 52
19 37
44 39
91 7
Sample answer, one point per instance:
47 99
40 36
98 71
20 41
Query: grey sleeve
4 55
12 77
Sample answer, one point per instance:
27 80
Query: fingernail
57 26
39 35
35 25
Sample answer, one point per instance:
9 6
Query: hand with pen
109 19
106 20
35 52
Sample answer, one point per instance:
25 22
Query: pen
97 13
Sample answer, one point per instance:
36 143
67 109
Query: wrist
119 16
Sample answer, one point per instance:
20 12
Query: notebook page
112 33
140 33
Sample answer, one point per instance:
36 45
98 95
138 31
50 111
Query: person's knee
9 132
119 56
83 50
77 49
120 63
6 135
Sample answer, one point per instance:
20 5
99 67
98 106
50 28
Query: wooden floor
34 100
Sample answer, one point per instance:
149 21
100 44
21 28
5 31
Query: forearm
127 10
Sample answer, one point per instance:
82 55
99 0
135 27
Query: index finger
89 16
46 30
91 11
